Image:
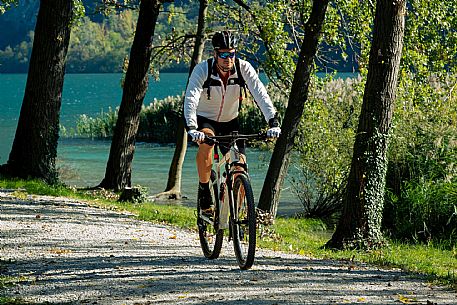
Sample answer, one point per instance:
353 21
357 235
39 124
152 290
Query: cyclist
212 103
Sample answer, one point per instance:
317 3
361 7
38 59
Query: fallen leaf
406 300
60 251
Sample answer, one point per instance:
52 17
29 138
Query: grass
7 281
302 236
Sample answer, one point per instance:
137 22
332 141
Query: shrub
101 126
324 144
159 120
422 161
426 210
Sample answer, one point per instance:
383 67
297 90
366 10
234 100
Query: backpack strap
207 83
241 81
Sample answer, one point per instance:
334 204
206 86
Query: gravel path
70 253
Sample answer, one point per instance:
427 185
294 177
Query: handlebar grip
208 140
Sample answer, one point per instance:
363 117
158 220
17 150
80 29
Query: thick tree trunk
360 223
119 167
173 189
279 164
34 150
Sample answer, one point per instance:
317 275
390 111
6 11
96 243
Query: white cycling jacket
224 102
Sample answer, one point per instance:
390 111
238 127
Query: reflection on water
82 163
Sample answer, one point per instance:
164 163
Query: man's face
225 59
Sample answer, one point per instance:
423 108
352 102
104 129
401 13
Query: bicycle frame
224 172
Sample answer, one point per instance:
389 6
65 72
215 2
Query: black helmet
224 40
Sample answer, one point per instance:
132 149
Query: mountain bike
233 201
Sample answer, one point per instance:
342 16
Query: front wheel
243 222
210 235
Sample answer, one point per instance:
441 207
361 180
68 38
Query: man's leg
204 158
204 164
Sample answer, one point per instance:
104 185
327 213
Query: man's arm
259 92
193 93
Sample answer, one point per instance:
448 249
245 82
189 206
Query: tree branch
243 5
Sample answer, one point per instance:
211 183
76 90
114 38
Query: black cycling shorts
222 129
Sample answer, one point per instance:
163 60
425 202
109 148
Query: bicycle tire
211 237
243 222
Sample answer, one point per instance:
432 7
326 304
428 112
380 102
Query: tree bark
173 189
360 223
118 172
279 164
34 150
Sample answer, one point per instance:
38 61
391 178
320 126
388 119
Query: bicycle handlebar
233 137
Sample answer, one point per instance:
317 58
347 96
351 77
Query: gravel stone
68 252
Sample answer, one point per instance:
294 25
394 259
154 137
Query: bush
101 126
422 161
426 210
422 154
159 120
324 144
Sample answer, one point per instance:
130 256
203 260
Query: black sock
204 186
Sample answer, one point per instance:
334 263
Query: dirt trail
70 253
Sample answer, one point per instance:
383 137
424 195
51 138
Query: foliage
19 55
174 37
137 194
6 4
101 44
159 119
430 37
423 158
425 128
101 47
426 210
271 36
324 144
423 149
100 127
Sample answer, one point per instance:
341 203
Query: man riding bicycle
212 103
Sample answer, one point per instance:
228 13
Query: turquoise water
82 94
82 162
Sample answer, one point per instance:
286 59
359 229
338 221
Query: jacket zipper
222 102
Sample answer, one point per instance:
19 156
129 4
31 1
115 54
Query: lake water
83 161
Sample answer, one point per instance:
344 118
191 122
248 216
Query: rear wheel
243 222
211 236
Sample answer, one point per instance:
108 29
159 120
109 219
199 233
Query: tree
6 4
280 159
118 172
173 189
34 148
360 222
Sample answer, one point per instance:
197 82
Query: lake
82 162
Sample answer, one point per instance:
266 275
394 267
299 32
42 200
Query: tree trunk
173 190
279 164
34 150
360 223
118 172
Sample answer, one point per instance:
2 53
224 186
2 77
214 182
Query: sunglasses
225 55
